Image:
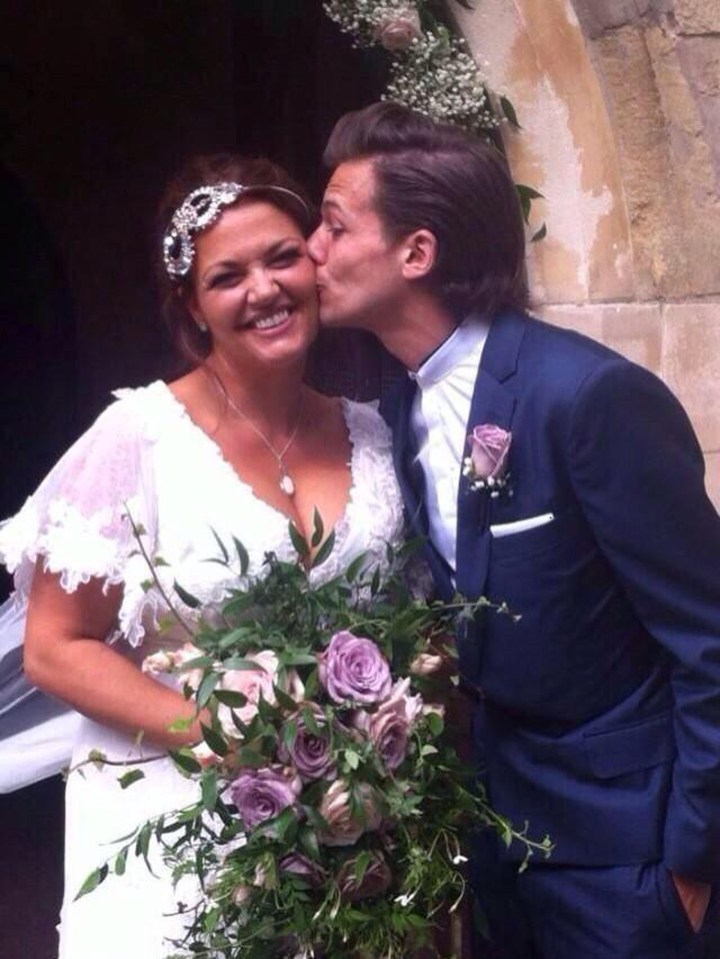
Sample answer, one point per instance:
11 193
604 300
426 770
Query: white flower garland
431 71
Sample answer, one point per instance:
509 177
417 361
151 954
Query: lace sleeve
77 520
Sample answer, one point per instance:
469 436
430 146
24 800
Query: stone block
632 329
699 59
691 364
668 164
712 477
597 16
697 16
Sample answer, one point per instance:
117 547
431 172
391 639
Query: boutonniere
486 467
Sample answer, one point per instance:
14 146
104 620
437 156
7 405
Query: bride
240 446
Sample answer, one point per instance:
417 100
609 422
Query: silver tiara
198 211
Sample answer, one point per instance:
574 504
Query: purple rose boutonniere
486 467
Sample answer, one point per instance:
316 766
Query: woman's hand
65 655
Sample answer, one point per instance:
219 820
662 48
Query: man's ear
420 250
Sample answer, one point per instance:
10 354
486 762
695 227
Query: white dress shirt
438 420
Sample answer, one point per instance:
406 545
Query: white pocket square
520 525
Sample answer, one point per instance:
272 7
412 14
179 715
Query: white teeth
268 322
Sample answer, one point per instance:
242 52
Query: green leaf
351 573
142 843
509 112
288 733
324 551
283 700
185 761
249 757
209 791
120 862
206 688
93 881
181 725
318 528
310 722
298 541
308 841
240 663
214 740
223 548
435 724
352 758
230 697
527 194
242 554
130 777
192 601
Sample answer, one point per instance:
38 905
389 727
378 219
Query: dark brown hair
192 343
440 178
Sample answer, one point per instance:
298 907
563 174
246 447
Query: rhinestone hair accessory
198 211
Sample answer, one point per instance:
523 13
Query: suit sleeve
638 472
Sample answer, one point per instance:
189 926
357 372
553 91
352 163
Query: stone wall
620 106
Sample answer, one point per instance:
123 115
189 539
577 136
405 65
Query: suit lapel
492 402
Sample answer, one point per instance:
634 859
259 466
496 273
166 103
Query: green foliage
412 819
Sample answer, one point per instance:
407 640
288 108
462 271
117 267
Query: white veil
36 731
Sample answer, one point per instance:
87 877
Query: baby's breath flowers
432 71
438 77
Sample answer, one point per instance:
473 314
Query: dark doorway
99 103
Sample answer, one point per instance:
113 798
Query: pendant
286 484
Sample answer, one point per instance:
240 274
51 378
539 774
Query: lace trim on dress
77 520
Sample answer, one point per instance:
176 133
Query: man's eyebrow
330 204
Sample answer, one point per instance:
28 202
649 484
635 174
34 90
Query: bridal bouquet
332 809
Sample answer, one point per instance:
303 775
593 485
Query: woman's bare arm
65 655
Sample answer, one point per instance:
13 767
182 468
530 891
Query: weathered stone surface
712 477
599 15
668 164
641 138
633 329
694 172
566 147
698 16
691 365
699 59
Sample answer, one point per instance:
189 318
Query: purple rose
353 667
261 794
389 726
375 880
309 752
302 866
489 448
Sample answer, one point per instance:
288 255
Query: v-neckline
343 522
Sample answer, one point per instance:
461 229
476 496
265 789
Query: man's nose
316 246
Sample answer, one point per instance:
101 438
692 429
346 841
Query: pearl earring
202 326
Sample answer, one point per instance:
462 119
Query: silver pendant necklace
285 481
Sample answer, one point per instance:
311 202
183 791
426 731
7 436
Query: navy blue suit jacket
600 714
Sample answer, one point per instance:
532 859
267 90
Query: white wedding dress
145 457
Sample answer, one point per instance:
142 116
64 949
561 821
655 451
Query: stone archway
620 106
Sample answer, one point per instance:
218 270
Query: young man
598 711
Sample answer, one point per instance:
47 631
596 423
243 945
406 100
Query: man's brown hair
437 177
